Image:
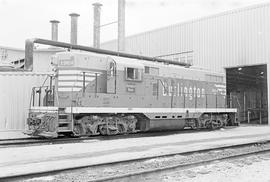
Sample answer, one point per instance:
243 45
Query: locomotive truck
96 94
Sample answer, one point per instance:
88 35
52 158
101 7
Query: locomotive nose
42 124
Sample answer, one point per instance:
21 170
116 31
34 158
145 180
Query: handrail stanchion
83 83
206 104
33 94
96 82
195 100
216 102
39 96
184 103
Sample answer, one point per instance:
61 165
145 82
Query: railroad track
21 142
225 152
24 142
33 141
140 174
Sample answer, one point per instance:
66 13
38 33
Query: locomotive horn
29 50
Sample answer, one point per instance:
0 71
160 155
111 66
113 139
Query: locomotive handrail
29 50
39 91
114 75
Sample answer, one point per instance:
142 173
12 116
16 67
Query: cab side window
133 74
151 70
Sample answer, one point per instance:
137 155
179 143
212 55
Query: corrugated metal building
16 86
232 38
235 38
15 93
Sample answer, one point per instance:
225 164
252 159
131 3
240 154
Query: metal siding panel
229 39
15 94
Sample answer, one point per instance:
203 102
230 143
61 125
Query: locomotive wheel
220 124
102 130
111 130
121 129
214 125
195 125
78 130
87 125
208 124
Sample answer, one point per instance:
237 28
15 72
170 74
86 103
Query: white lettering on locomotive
179 91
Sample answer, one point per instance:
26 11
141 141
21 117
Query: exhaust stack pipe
121 25
96 35
54 24
74 28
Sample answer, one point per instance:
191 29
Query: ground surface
250 169
175 174
12 135
24 160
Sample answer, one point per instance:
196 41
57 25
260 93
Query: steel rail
23 142
37 140
30 141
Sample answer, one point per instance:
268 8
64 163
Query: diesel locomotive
94 94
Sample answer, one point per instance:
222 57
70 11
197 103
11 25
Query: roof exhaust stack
54 24
74 28
96 36
121 25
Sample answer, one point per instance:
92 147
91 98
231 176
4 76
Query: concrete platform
35 159
12 135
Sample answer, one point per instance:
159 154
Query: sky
23 19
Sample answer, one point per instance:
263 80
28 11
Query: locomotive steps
53 158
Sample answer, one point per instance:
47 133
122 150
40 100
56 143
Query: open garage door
247 91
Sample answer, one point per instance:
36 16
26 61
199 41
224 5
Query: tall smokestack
121 25
54 29
96 35
74 28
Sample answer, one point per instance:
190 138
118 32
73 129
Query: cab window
151 70
134 74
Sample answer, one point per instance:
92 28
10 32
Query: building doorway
247 91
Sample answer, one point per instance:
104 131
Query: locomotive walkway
38 159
